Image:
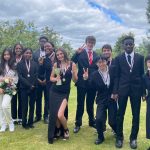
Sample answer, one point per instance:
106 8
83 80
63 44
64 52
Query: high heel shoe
66 134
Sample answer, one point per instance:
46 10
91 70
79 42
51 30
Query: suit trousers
135 107
102 108
27 99
5 109
90 97
148 119
40 91
16 107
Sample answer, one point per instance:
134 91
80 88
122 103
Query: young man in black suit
129 72
102 81
40 54
85 57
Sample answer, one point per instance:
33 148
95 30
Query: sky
74 20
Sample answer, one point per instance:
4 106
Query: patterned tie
90 56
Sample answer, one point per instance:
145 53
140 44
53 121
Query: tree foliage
27 34
118 45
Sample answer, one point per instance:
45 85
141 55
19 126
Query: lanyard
28 67
130 65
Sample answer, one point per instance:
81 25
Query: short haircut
101 57
127 37
147 58
107 46
27 48
90 38
43 37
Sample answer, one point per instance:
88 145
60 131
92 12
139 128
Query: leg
80 105
112 113
122 102
61 116
31 110
6 106
148 119
100 113
45 103
135 106
19 106
90 106
24 97
14 107
2 115
39 103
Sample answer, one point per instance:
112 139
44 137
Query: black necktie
108 63
129 59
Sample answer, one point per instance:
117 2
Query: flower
8 87
7 80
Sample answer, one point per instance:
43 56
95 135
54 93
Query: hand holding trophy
57 72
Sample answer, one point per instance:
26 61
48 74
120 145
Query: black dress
57 94
147 87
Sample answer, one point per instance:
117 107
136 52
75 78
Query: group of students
98 77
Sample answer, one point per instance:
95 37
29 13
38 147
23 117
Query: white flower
6 80
14 93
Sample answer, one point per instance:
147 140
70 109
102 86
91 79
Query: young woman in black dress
62 73
16 108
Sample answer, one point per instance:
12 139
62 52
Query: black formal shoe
99 141
93 125
25 127
133 144
50 141
76 129
31 126
119 143
37 119
46 120
148 148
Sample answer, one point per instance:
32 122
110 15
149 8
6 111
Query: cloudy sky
74 20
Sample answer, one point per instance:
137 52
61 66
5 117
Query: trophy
57 72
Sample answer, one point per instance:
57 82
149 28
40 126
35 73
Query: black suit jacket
25 81
103 92
41 73
83 62
126 82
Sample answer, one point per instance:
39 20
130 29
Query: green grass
36 139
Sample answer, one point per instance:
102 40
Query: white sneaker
3 128
11 127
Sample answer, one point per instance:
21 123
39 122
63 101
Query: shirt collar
131 54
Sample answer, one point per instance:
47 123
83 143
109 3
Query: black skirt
55 102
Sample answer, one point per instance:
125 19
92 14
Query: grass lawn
36 139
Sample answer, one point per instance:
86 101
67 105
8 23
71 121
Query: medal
28 68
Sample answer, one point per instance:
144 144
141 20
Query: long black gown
57 94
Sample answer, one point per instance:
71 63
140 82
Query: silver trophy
57 72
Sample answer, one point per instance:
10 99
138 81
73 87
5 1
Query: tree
118 45
27 34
